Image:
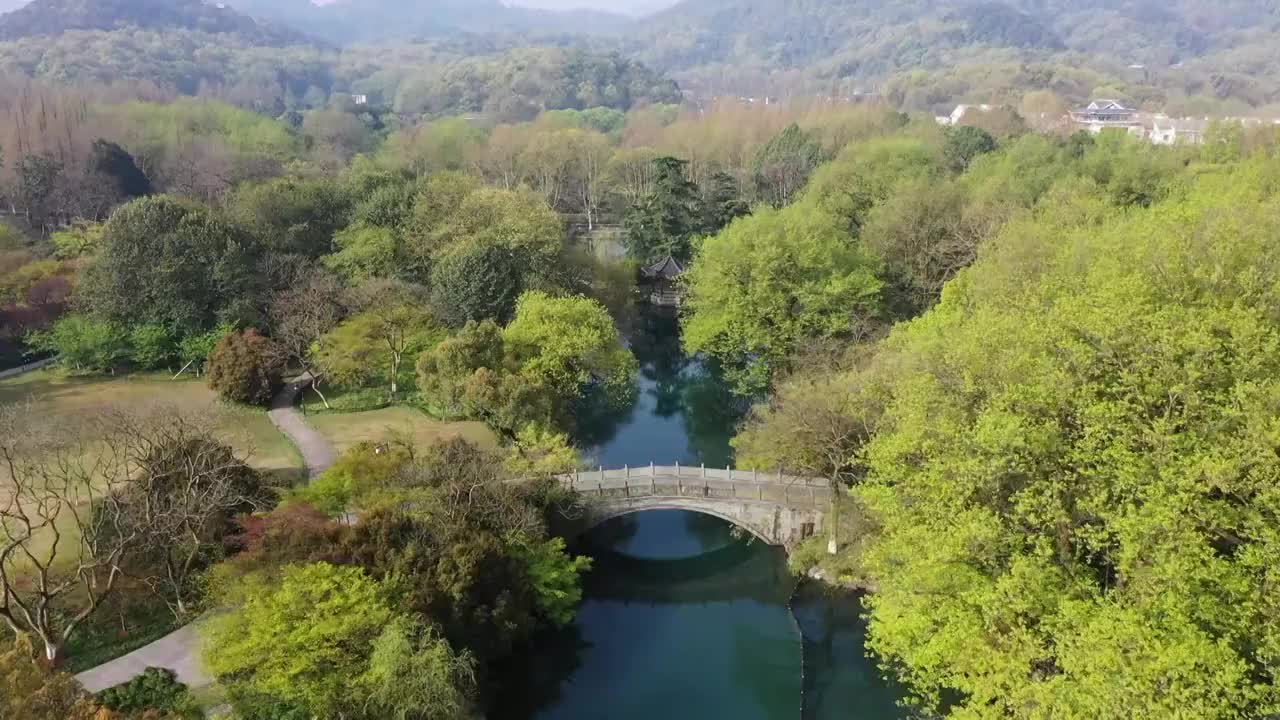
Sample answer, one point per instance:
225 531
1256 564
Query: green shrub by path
156 689
132 620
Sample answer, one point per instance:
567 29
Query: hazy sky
631 7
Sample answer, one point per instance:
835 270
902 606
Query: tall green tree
667 217
569 345
307 641
116 163
382 341
414 675
782 166
172 262
722 202
773 281
293 216
964 144
474 282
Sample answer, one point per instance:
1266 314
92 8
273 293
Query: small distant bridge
777 508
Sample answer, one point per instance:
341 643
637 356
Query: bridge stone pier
776 508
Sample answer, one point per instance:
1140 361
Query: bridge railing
694 482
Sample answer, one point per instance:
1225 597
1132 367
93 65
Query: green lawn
55 393
349 429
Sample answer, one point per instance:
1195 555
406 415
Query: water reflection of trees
840 676
712 414
597 422
760 671
676 386
533 680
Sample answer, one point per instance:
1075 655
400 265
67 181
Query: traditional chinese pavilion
661 279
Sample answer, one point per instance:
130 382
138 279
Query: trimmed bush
246 367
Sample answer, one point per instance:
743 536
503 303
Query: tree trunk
395 372
53 653
315 387
833 523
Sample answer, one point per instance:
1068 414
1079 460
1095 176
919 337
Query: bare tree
302 314
63 529
592 152
187 489
631 173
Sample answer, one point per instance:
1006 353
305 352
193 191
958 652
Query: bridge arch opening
596 519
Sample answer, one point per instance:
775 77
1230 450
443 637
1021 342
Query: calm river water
683 618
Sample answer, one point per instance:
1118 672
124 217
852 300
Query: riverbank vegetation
448 571
1058 460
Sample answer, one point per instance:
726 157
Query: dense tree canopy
1042 363
306 642
770 282
169 262
555 353
1060 462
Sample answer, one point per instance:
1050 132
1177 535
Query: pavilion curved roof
667 268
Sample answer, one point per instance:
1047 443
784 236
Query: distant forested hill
1226 49
626 7
893 32
195 47
1183 56
43 18
346 21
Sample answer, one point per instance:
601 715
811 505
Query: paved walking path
179 651
317 451
29 367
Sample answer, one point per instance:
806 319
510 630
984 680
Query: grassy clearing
56 394
350 429
346 400
133 616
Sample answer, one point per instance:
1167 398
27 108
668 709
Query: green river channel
683 618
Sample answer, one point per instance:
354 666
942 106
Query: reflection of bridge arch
734 572
776 508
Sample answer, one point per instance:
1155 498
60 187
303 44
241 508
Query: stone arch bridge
777 508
